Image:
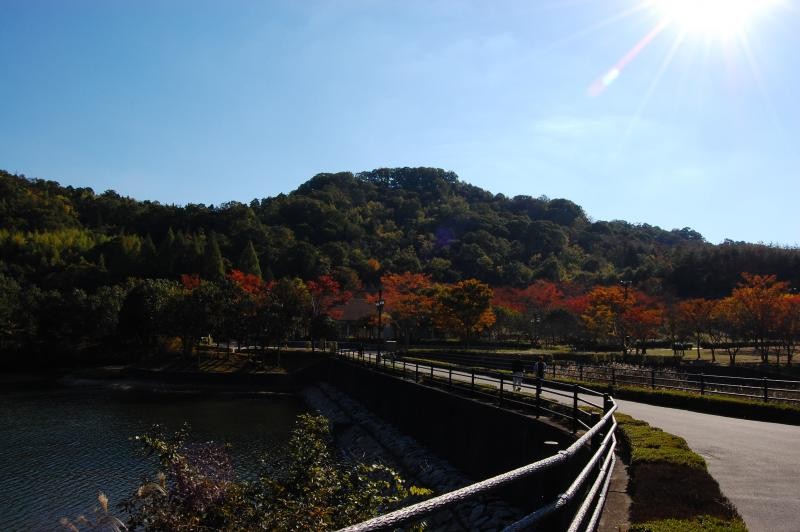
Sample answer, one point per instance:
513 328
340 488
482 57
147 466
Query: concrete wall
480 439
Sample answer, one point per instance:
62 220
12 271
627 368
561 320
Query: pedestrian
518 371
540 367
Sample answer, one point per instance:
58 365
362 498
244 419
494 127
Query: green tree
213 264
248 260
464 308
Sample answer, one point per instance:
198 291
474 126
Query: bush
713 404
669 483
311 489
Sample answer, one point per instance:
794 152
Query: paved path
757 464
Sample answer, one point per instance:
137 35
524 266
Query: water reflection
58 448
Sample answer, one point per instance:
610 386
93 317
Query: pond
60 447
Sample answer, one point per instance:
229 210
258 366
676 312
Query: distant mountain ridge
357 226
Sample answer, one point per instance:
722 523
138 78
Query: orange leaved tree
695 316
758 300
410 300
464 308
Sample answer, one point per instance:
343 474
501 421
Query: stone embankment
364 437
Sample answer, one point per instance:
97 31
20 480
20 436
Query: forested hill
357 227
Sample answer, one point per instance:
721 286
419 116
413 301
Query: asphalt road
757 464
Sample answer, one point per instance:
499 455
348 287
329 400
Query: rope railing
760 388
597 466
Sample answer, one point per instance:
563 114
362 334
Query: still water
60 447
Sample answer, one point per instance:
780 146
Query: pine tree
213 265
248 260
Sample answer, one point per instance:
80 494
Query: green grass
704 523
649 444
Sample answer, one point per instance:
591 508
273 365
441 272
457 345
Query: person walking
540 367
518 371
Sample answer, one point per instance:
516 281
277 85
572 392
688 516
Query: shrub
714 404
669 483
311 489
704 523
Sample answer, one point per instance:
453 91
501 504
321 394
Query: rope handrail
604 451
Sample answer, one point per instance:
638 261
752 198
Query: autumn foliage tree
464 308
643 323
788 325
410 301
695 316
758 299
602 316
326 301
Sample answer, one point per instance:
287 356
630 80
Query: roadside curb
615 516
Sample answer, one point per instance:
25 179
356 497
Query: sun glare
712 18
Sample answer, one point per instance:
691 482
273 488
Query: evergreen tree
268 275
166 254
213 265
147 257
248 261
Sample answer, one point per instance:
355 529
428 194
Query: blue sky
204 102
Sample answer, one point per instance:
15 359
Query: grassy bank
670 487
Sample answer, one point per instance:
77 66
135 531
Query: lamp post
535 321
379 306
625 285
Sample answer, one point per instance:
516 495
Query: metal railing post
766 390
450 377
431 371
653 379
606 403
538 396
473 380
580 372
574 408
416 373
501 390
702 384
613 376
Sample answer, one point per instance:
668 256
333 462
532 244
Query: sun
712 18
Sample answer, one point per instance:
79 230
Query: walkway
757 464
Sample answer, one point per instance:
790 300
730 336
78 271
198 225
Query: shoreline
131 379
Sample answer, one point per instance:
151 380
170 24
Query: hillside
356 226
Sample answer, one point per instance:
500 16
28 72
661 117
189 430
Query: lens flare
716 18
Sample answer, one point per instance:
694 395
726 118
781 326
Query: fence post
431 371
450 377
653 379
574 408
554 370
606 403
404 369
702 384
416 373
613 376
501 390
766 390
538 396
580 372
473 380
